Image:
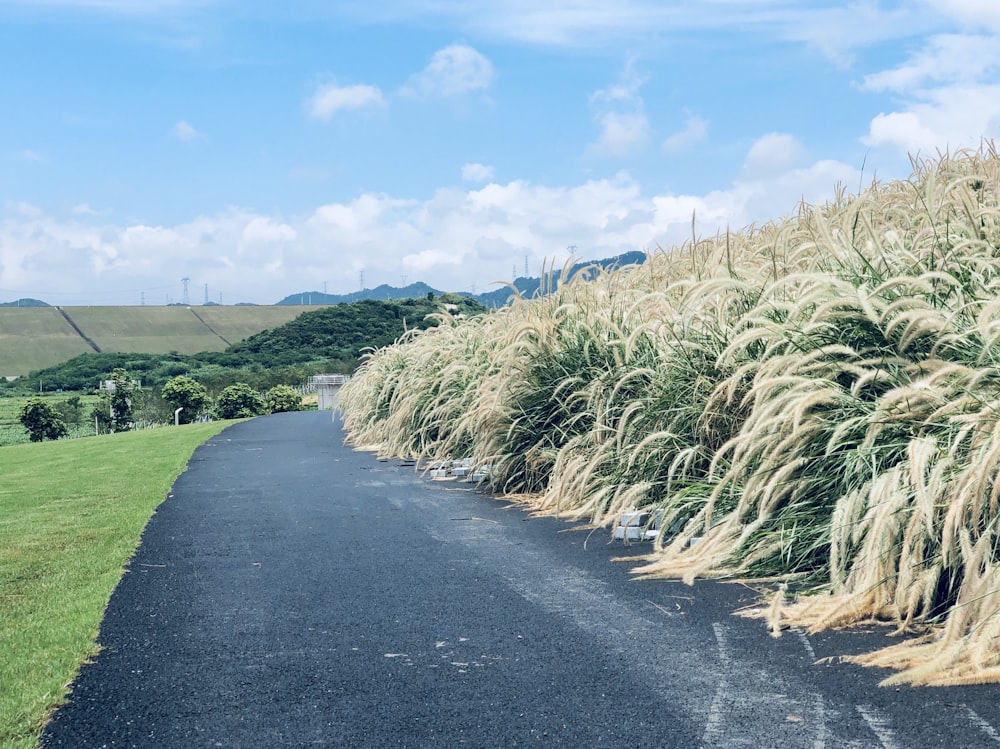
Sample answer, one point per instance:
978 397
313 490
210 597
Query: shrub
239 401
41 420
183 392
282 398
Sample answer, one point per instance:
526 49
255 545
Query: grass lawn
13 433
71 514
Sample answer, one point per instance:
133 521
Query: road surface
293 592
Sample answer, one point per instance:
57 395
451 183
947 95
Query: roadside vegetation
270 365
73 513
815 401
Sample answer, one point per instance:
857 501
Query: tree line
330 339
252 377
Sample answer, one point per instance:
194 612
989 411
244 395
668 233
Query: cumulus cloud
454 70
455 239
983 14
329 99
185 132
619 111
946 90
694 132
945 118
773 154
477 172
263 230
948 58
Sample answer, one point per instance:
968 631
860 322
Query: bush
282 398
239 401
41 420
183 392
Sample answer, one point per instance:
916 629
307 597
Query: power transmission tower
185 298
206 293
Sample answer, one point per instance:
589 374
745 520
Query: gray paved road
292 592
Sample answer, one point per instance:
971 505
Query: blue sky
261 148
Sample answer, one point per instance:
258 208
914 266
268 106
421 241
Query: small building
328 389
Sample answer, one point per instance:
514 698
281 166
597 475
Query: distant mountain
529 286
25 303
382 293
526 286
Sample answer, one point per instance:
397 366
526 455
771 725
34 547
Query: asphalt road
293 592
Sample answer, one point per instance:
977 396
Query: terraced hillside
35 337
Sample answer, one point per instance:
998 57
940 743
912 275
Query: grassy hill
35 337
32 338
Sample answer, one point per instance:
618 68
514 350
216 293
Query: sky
261 149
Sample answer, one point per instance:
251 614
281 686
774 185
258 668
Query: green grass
71 515
33 338
12 432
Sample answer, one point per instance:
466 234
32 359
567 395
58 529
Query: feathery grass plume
814 399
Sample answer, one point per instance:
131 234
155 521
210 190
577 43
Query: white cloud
982 14
836 28
29 154
126 7
620 113
328 99
185 132
263 230
946 90
948 58
773 154
694 132
945 118
452 71
477 172
453 240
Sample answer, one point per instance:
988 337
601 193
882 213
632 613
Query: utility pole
206 293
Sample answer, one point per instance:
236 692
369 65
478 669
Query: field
35 337
72 514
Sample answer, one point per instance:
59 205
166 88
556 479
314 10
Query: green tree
239 401
70 410
282 398
41 420
187 394
122 394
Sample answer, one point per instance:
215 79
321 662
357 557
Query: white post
177 416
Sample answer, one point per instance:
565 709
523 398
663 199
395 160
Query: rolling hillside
32 338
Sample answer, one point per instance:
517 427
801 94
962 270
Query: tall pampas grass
814 400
